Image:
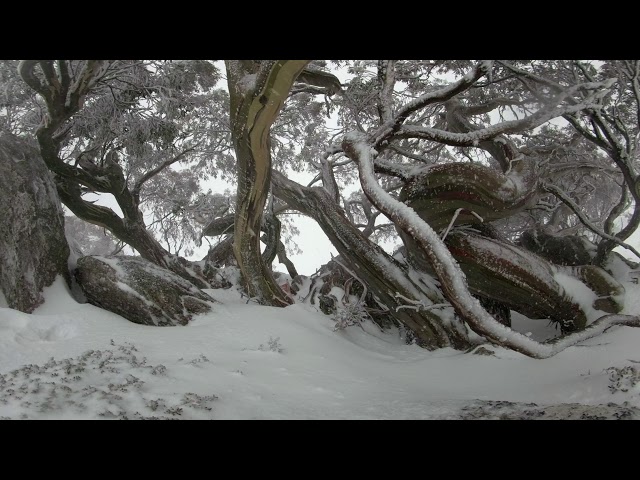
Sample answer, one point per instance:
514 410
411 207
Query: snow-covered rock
140 291
33 247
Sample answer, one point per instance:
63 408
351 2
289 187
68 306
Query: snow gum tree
257 92
117 128
502 184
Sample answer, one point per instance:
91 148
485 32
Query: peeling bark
257 92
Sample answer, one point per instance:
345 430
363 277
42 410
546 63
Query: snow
579 293
246 361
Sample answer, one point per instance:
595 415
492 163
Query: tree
472 164
118 127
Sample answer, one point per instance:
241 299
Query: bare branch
587 223
151 173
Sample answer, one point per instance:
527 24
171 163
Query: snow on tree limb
471 139
452 279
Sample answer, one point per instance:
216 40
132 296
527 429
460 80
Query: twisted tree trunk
257 91
64 92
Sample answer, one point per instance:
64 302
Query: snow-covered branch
441 94
475 137
448 271
386 77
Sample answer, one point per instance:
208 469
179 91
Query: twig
418 304
587 223
453 219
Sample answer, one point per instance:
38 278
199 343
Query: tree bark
257 92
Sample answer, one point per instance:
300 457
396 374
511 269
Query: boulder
33 247
140 291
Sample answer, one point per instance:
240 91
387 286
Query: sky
244 361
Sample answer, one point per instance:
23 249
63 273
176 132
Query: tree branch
386 78
440 95
587 223
151 173
327 82
473 138
26 71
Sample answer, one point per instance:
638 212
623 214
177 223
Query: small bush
111 384
273 345
623 379
350 314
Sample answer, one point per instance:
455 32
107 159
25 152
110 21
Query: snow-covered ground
244 361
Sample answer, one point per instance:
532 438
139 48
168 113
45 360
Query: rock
140 291
33 247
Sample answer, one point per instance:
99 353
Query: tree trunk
496 270
384 276
132 231
257 92
521 280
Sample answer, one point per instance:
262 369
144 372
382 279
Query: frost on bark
140 291
33 247
452 279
